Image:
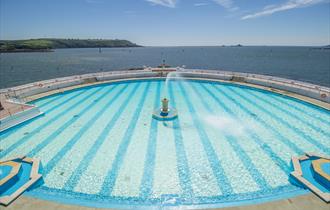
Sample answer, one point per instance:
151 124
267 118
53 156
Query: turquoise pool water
100 146
5 171
326 167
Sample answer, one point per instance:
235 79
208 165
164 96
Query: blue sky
171 22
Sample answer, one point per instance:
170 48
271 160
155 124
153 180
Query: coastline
47 45
53 50
26 50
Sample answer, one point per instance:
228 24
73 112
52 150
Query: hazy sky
171 22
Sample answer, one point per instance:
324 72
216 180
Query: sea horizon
307 64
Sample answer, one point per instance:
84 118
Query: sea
309 64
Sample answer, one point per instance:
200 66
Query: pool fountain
165 113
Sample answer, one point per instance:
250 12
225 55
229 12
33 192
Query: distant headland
47 45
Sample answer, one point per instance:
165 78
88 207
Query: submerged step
9 172
16 176
311 171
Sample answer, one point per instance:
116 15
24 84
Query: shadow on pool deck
305 202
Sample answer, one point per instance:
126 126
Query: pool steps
320 175
12 180
12 176
20 115
300 179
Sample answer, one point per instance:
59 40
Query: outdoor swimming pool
100 146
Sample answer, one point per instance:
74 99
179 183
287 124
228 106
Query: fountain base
171 114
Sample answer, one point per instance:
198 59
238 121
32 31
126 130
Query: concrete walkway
304 202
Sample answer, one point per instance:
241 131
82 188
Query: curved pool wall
317 92
99 201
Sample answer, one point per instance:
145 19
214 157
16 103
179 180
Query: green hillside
48 44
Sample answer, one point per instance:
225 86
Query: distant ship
238 45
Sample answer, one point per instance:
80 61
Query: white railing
17 92
264 77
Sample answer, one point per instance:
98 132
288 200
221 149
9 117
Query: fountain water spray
171 76
165 113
